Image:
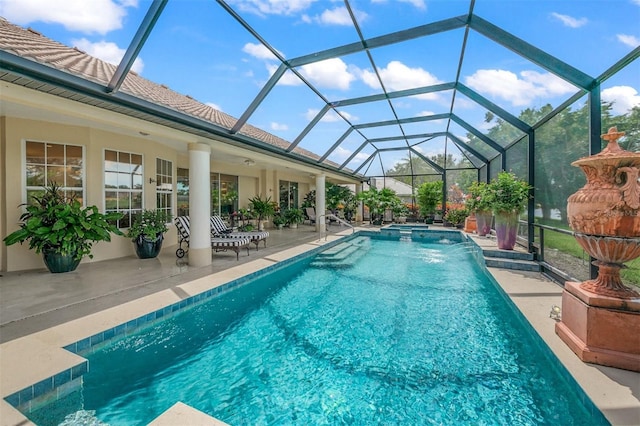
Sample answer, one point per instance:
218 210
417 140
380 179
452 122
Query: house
144 146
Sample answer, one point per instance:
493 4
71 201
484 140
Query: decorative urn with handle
605 214
601 317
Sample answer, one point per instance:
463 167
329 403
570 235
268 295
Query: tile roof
32 45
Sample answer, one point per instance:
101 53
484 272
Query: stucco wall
15 132
18 130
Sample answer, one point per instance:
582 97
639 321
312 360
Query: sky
197 48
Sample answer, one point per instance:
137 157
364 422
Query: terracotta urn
605 214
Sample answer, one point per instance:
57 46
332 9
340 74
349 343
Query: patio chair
220 229
217 243
310 212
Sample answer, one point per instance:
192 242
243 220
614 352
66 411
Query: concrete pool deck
34 332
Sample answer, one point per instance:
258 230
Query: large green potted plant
279 220
428 197
478 202
378 201
508 197
61 229
147 232
263 209
293 217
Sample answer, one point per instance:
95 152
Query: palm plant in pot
429 195
263 209
61 229
147 232
508 196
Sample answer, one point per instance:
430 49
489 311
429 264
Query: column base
200 257
599 329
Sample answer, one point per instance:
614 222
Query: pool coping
40 357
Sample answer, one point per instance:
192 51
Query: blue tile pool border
50 385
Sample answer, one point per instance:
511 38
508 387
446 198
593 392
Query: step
341 255
508 254
513 264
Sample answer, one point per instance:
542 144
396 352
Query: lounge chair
220 229
217 243
310 212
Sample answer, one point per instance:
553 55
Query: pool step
511 259
343 254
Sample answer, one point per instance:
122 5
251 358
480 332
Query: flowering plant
456 216
507 193
478 198
148 223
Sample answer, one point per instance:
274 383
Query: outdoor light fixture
556 312
151 180
249 162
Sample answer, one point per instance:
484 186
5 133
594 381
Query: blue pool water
411 333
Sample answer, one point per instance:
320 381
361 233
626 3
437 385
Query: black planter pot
57 263
148 248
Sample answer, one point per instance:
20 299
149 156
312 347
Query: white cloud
623 97
419 4
629 40
94 16
278 126
570 21
330 74
330 117
520 90
425 113
397 76
214 106
288 79
107 51
336 16
340 154
272 7
259 51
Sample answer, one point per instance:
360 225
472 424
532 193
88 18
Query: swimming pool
329 341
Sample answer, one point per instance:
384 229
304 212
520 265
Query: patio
34 300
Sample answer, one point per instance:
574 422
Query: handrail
336 218
552 228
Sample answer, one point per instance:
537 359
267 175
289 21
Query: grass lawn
568 244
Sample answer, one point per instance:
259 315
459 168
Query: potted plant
507 196
429 195
456 216
478 203
147 232
262 209
400 212
279 220
61 229
293 217
378 202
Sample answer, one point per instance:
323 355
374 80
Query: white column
359 208
321 220
199 204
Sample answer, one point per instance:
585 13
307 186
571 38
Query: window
164 185
182 185
288 195
224 194
123 184
54 162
